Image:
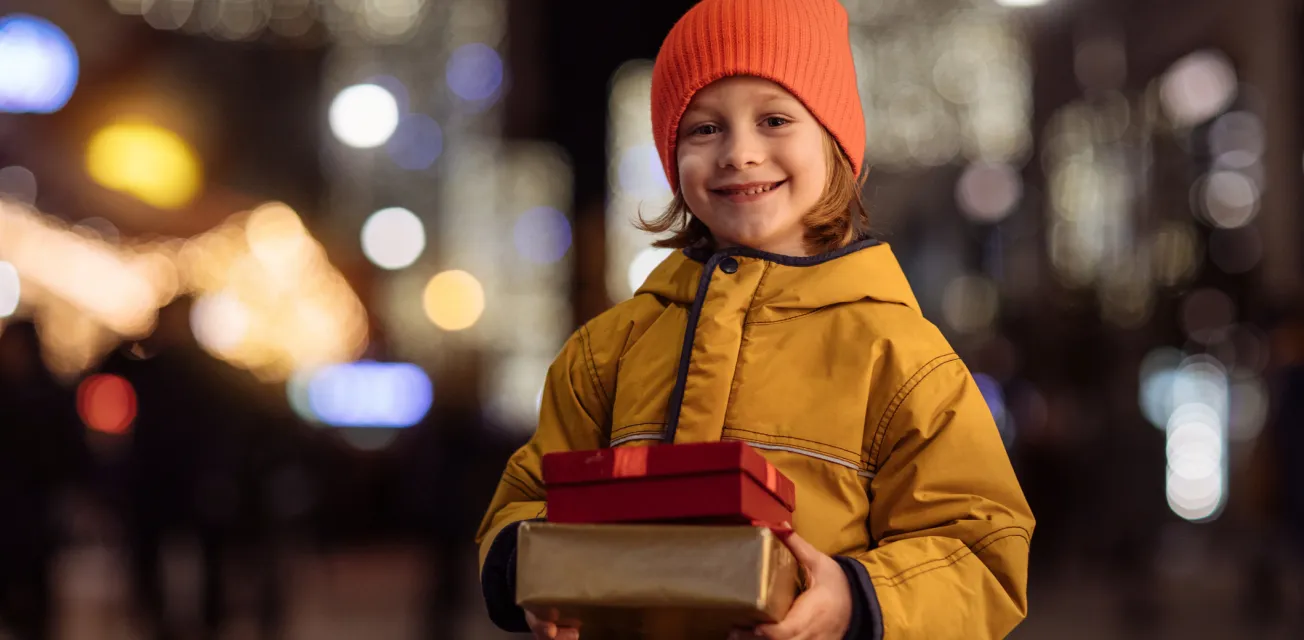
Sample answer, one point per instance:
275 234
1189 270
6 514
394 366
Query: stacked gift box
672 541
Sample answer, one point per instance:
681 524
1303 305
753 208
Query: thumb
805 553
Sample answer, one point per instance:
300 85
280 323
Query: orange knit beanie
802 45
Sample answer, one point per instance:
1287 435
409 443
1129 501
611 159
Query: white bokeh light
643 264
364 116
219 321
988 192
10 290
1198 87
393 238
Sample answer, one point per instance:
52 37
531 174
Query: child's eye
776 121
703 130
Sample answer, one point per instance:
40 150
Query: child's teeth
752 192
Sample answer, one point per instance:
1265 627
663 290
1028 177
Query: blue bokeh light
370 394
475 72
640 173
993 394
38 65
542 235
417 143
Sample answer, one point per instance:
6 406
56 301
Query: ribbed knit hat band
802 45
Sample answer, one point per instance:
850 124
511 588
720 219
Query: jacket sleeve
573 416
951 523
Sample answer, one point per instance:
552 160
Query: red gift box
709 482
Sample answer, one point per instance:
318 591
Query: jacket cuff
498 582
866 616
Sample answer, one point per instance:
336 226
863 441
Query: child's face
751 164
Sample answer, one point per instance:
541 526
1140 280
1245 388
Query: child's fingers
544 631
568 633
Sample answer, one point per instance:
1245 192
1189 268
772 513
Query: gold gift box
655 581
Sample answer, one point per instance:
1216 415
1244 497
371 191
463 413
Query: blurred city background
280 280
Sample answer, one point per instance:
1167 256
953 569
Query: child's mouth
748 193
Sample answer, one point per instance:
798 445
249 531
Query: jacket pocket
799 446
636 432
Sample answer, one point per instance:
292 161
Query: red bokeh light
107 403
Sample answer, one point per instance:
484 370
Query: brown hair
836 220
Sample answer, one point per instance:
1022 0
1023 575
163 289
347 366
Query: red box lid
607 465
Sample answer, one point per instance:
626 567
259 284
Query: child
782 324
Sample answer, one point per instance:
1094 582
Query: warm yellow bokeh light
146 161
453 300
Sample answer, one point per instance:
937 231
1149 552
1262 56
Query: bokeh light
1175 252
220 322
1237 140
106 403
994 394
277 238
417 142
393 238
296 392
644 263
364 116
1158 373
390 19
170 15
10 289
1197 439
1230 199
145 161
1248 408
987 193
1198 87
542 235
640 173
453 300
40 66
475 72
18 183
370 394
970 303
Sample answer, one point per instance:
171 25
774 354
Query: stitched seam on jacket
951 558
789 318
893 582
632 426
521 485
979 546
900 399
775 435
742 339
946 561
593 365
516 484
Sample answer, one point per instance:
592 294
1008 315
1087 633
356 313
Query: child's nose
741 151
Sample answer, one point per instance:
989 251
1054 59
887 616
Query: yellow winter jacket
826 365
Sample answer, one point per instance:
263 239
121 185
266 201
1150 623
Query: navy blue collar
704 254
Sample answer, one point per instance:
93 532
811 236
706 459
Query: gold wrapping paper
655 581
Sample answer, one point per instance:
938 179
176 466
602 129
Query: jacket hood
863 270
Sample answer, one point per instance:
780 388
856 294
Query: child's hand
821 612
545 627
